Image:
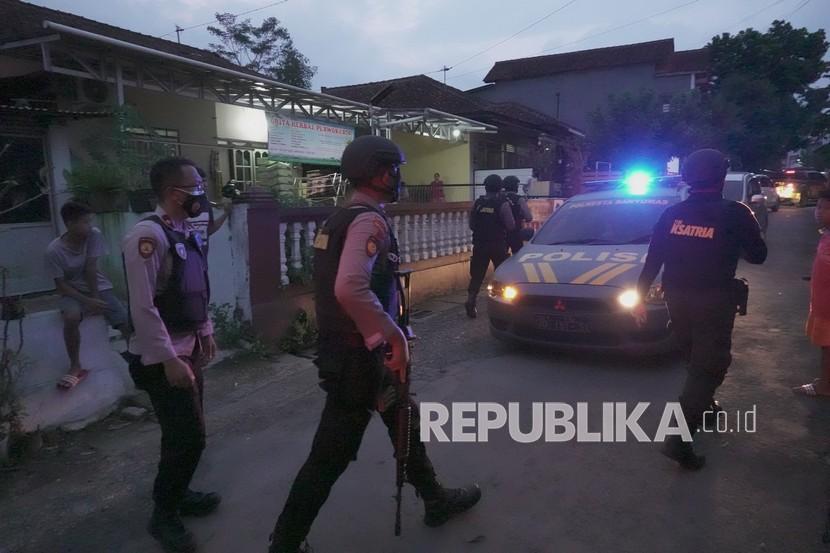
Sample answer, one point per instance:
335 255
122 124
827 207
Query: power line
798 8
179 30
514 35
583 39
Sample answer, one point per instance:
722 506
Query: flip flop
808 390
69 381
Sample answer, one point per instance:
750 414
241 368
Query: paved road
763 491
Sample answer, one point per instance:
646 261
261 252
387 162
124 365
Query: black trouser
485 253
180 415
352 380
702 320
515 241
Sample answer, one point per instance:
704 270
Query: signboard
307 140
542 209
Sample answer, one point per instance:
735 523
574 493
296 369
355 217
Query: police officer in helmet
169 292
491 219
519 209
355 259
697 242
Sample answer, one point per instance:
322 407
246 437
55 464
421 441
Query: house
571 86
521 137
67 81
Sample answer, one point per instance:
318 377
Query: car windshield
734 190
612 221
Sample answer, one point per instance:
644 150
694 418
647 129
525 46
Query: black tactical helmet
492 183
362 158
511 183
705 169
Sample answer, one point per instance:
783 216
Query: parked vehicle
741 187
768 190
800 186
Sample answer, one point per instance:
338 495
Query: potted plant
101 184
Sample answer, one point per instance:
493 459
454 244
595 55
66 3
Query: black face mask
195 204
394 189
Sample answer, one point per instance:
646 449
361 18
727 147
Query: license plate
562 323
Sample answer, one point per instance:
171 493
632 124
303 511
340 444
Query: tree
767 80
266 49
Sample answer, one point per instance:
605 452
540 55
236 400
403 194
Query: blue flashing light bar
638 182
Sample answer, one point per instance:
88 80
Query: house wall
582 92
426 156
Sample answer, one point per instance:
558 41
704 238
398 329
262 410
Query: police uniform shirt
699 241
149 263
368 237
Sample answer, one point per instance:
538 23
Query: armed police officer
697 243
169 294
491 219
519 209
361 349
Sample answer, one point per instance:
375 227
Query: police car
574 284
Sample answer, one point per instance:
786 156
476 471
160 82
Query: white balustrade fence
424 232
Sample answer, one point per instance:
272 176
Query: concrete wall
426 156
581 93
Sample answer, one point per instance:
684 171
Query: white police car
574 284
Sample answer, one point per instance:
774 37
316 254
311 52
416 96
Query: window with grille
243 163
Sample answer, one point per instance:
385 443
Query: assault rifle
403 406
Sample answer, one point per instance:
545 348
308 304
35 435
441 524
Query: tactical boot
199 504
470 306
275 547
449 502
715 407
682 452
167 528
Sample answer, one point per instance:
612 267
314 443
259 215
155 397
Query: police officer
360 346
698 243
491 219
169 294
519 209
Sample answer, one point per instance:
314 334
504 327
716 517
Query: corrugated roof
658 52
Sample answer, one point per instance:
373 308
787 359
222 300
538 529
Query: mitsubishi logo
559 305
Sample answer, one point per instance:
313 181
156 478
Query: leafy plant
232 333
300 336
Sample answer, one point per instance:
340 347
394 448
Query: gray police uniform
355 258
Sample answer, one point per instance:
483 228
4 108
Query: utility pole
445 69
179 34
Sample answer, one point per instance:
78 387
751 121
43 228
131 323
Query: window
243 164
153 145
24 185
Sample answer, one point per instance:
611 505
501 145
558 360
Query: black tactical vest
486 221
183 305
515 207
337 331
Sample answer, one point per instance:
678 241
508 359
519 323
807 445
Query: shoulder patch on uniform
321 241
372 246
146 247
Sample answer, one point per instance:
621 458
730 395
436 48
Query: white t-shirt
64 262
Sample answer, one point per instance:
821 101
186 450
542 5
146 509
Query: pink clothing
818 322
148 263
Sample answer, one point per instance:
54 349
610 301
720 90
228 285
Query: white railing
424 231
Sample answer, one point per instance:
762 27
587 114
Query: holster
740 294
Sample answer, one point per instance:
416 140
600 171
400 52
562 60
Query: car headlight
502 292
656 295
629 299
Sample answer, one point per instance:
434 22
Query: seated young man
72 260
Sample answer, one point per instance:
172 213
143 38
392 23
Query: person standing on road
491 219
818 320
697 243
520 210
355 259
169 294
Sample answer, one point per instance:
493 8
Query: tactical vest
183 305
337 331
516 208
486 220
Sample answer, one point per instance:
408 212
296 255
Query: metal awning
84 54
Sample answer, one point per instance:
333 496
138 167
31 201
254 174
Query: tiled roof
658 52
420 91
23 21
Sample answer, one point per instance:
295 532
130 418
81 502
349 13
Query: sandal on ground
69 380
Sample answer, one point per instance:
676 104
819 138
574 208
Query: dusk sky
354 41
